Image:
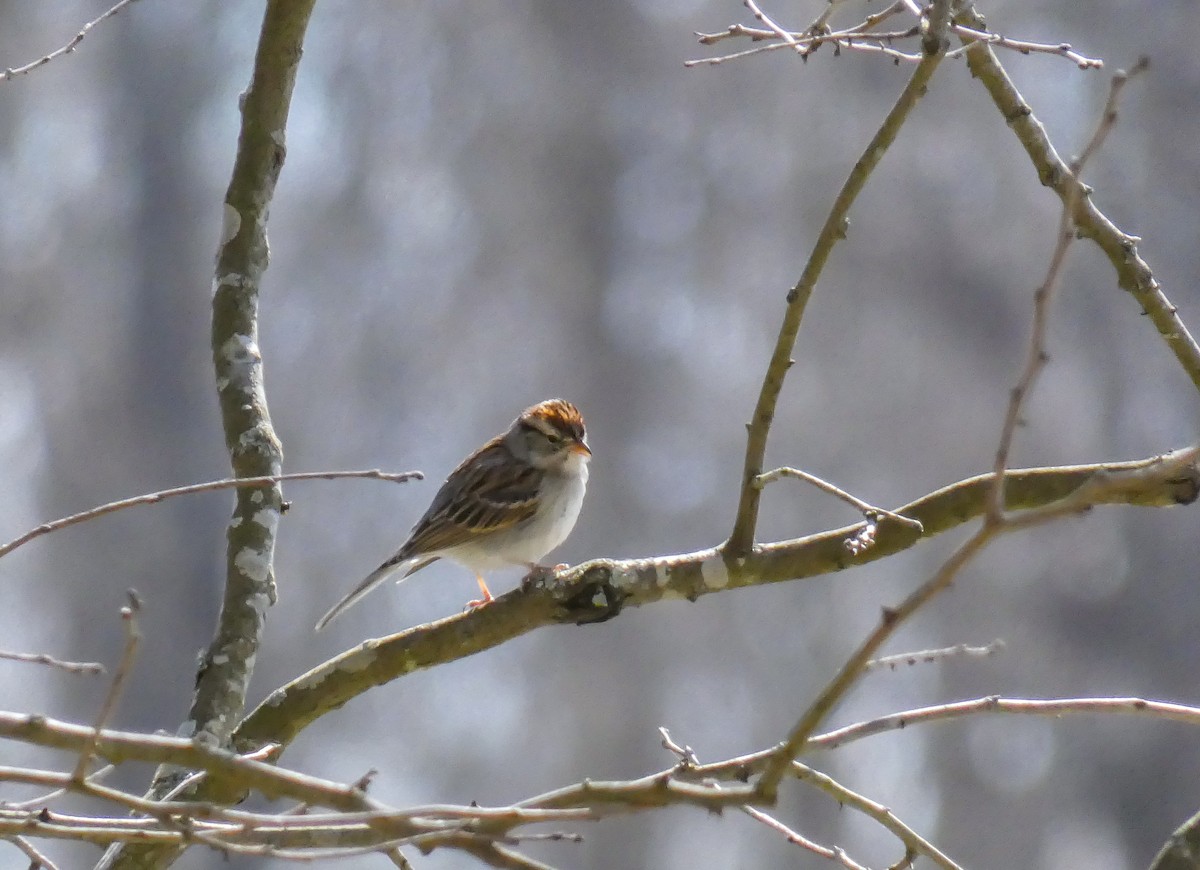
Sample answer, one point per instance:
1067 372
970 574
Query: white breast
526 544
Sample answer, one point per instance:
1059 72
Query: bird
509 503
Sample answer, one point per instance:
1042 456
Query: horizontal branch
743 767
1019 706
365 826
120 746
194 488
51 661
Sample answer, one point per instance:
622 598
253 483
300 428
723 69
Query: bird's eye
554 438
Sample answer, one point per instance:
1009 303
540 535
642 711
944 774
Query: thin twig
1037 355
821 22
133 637
51 661
994 523
928 656
208 486
867 510
11 72
913 842
263 753
832 853
775 28
1054 707
38 861
861 37
1021 46
43 800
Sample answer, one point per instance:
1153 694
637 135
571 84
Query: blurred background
485 205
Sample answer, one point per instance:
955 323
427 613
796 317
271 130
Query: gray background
488 204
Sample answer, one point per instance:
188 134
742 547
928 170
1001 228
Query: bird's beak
580 448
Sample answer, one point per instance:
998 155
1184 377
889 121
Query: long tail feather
360 592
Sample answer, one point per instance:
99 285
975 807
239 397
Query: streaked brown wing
486 493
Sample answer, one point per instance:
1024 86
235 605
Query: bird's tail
383 572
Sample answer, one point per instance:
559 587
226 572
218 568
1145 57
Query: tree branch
11 72
191 489
741 539
254 449
598 590
1133 272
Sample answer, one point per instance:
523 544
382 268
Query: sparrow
509 503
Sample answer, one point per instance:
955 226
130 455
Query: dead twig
51 661
133 637
13 72
191 489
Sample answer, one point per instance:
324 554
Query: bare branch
832 853
913 842
868 510
119 746
487 833
892 618
743 767
1133 272
995 704
191 489
850 672
742 536
862 37
774 28
994 522
38 861
11 73
51 661
133 637
689 765
1062 49
1038 355
602 588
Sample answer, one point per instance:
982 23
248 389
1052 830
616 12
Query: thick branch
1182 850
254 449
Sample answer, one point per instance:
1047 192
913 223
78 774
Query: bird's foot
487 598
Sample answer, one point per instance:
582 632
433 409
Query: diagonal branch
993 526
72 44
1133 272
741 539
133 638
598 590
1037 355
